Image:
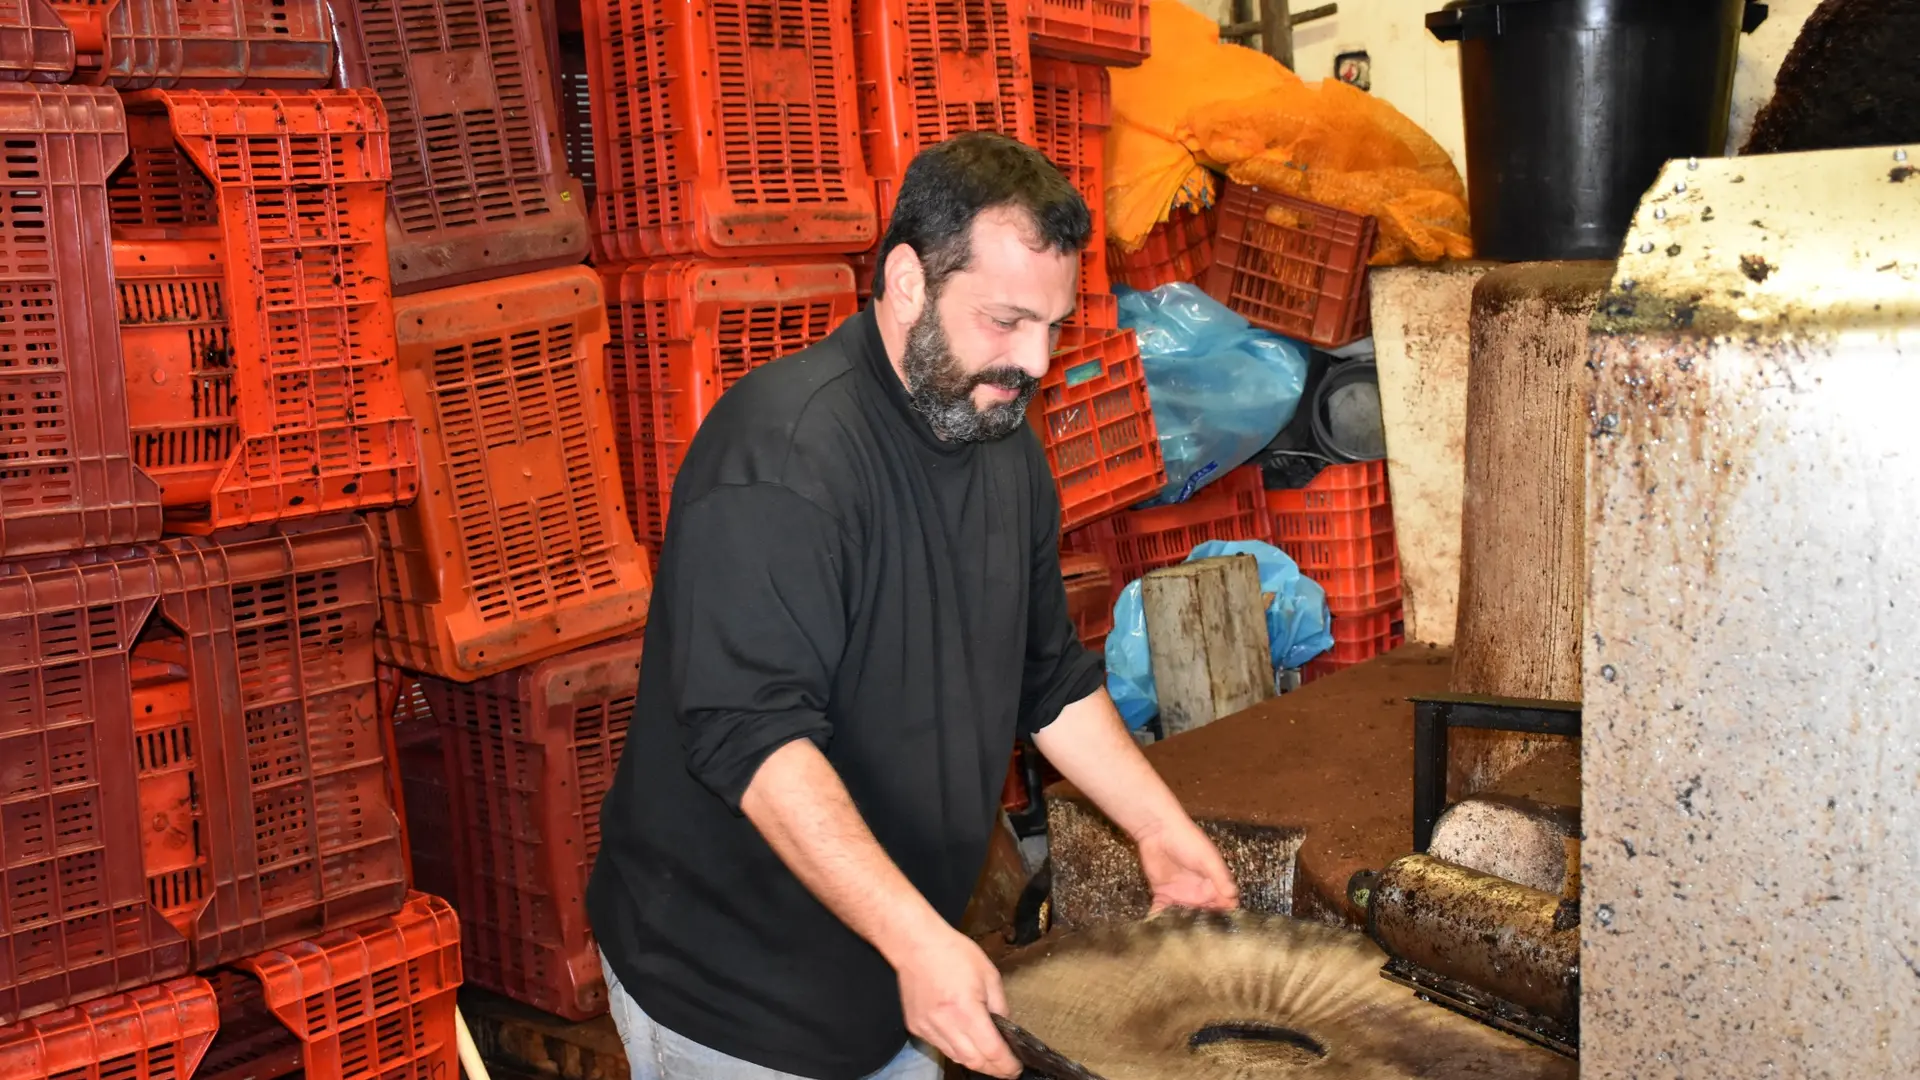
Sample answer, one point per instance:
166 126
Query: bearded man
859 608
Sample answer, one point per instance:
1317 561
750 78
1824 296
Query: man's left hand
1184 869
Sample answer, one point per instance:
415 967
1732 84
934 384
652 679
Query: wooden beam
1242 27
1276 31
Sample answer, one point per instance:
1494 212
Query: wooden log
1207 633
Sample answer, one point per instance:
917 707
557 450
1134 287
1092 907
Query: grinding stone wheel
1247 996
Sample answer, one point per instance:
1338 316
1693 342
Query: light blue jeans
655 1053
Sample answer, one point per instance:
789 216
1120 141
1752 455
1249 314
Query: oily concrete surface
1420 342
1331 763
1752 687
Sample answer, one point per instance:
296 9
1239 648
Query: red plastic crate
1291 266
1117 33
931 69
1357 639
1093 418
35 44
252 1044
203 726
1090 595
201 44
527 758
75 921
1339 529
291 190
1178 249
371 1001
519 546
1136 542
67 476
256 715
480 186
725 128
156 1032
1072 108
683 332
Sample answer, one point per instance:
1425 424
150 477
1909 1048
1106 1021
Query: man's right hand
948 987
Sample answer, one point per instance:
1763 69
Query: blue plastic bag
1221 389
1299 626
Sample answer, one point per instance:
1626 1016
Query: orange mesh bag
1325 142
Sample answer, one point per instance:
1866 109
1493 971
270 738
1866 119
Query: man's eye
1006 324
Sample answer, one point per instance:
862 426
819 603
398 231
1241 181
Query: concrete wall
1421 77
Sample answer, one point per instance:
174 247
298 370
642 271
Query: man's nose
1033 353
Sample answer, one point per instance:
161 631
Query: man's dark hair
950 184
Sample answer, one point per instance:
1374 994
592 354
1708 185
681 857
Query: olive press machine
1503 953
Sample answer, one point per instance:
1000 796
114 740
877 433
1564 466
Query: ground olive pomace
1852 79
1202 996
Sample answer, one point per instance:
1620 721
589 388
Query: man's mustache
1006 378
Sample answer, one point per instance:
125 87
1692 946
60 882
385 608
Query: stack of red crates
188 599
729 191
1339 529
251 475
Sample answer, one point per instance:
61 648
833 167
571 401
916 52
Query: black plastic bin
1572 107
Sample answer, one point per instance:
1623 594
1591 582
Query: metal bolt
1604 913
1627 284
1680 187
1646 248
1608 423
1659 213
1693 163
1607 672
1899 155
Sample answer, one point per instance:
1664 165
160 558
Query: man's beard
943 393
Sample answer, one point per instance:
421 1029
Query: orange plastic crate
75 920
1093 418
1090 595
254 220
1136 542
683 332
371 1001
67 477
1178 249
1291 266
480 186
156 1032
931 69
1072 108
1357 639
1339 529
1117 33
201 44
35 44
725 128
519 546
526 759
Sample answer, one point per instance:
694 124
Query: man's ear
906 284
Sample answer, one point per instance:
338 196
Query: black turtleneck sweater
832 571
